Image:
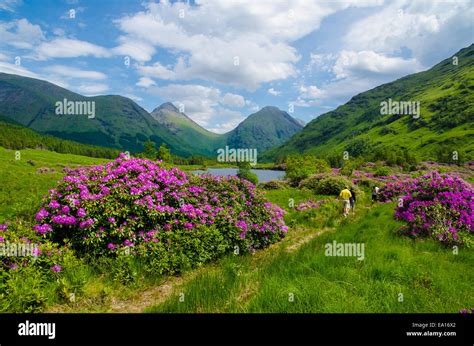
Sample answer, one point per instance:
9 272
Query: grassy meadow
22 184
397 274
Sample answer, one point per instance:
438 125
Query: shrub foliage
136 206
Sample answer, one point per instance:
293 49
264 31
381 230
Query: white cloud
233 100
21 34
92 89
72 72
137 50
354 71
309 96
336 92
420 26
311 92
401 38
145 82
226 121
69 48
252 106
214 33
273 92
322 62
351 63
58 32
9 5
156 71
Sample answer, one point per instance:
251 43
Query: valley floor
396 274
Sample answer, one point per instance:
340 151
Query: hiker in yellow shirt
346 196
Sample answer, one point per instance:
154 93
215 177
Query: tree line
16 137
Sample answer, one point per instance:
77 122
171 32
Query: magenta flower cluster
130 201
436 205
3 228
56 268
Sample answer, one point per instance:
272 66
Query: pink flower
42 229
65 209
87 223
81 212
56 268
41 214
54 205
36 252
242 225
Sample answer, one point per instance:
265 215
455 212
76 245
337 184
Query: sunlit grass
397 274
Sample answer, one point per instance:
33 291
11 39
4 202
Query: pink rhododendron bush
136 206
435 205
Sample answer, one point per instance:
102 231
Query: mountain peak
273 114
175 121
268 127
168 106
270 108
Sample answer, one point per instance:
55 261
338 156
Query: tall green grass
21 184
397 275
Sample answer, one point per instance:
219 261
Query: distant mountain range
444 93
120 123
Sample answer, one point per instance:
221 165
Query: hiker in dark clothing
375 194
352 200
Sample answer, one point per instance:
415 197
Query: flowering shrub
140 207
436 205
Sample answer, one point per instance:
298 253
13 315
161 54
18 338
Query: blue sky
223 60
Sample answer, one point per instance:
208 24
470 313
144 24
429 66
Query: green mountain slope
121 123
446 96
266 128
187 131
118 123
15 136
